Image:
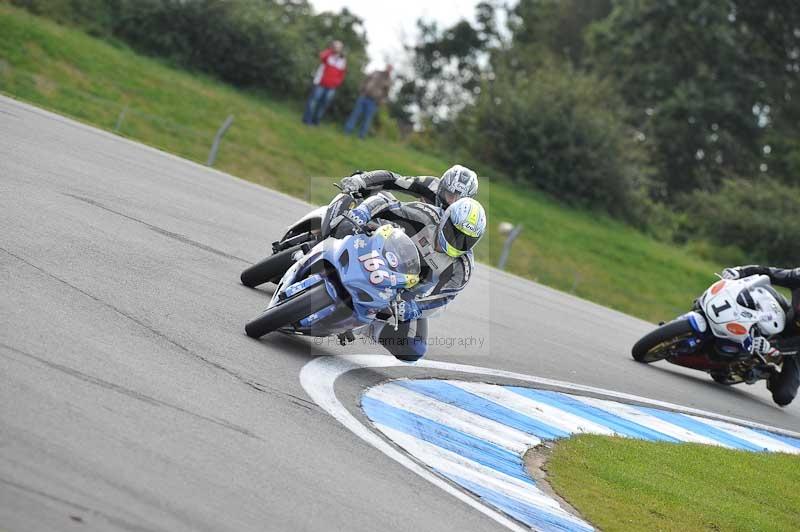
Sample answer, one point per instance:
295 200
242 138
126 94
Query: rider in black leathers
783 384
457 182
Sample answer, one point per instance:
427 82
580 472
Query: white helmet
766 300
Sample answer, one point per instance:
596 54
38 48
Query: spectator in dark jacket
374 90
329 75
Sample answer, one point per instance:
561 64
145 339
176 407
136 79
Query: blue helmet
456 183
461 227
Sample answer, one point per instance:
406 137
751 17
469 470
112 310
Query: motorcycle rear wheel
270 269
656 345
290 311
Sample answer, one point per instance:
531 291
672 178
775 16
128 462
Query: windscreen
745 299
401 254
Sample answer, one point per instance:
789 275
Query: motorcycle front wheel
290 311
660 343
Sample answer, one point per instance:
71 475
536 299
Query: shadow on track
702 379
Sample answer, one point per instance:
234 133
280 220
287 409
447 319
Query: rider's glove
359 216
761 346
353 184
731 274
408 311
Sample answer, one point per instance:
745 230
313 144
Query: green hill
95 81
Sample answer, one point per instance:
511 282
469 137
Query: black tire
655 345
292 310
724 378
270 269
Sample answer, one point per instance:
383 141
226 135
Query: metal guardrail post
120 118
507 246
212 155
575 282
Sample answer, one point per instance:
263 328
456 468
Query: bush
757 216
238 42
93 15
554 129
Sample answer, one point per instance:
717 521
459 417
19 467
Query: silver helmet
456 183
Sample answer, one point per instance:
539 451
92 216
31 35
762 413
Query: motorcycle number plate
372 262
721 310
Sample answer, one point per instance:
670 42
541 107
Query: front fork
696 320
301 286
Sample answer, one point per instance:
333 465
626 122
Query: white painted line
631 413
317 378
452 416
756 438
555 417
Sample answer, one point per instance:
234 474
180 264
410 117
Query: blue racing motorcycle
341 284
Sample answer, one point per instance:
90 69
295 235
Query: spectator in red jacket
327 79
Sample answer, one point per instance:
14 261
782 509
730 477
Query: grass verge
627 484
588 254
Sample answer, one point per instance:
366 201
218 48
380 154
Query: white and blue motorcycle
333 285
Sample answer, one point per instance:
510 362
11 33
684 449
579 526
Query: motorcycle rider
444 240
457 182
783 384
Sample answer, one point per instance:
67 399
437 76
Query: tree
708 81
447 65
556 25
558 130
757 217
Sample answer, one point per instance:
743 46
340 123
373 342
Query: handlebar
354 195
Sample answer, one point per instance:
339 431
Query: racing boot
346 337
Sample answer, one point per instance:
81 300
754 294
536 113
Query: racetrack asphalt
130 397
